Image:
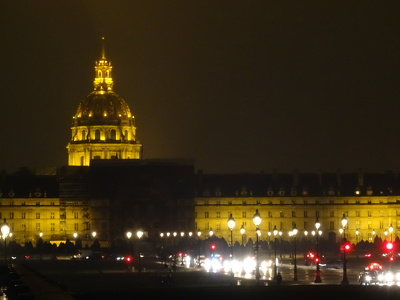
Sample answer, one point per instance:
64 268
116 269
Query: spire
103 81
103 48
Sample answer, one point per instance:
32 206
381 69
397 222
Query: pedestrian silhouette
279 279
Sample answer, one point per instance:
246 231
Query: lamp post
317 275
257 221
129 235
294 233
139 235
199 247
344 224
242 232
231 225
391 232
40 245
275 232
5 231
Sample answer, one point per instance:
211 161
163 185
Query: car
369 277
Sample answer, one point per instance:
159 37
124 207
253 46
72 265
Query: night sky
237 86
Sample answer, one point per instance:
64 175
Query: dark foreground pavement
246 292
63 280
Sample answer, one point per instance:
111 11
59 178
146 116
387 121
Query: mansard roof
298 184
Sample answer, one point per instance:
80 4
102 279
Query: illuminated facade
103 126
35 205
371 208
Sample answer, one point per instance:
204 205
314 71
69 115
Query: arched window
97 134
126 135
83 135
113 134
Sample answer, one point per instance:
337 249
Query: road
114 280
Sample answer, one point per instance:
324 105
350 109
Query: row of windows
291 202
293 214
112 134
11 215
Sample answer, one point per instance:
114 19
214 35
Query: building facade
369 202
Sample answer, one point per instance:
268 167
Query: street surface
102 279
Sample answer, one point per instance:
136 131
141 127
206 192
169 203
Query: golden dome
103 108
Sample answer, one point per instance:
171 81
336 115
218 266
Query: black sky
238 86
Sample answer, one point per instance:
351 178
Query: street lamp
275 232
231 225
139 235
294 233
317 275
391 232
40 245
257 221
242 232
344 224
5 231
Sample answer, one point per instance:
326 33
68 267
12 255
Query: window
332 213
305 214
206 215
218 214
23 227
332 225
11 215
369 213
37 203
52 227
76 215
293 214
282 214
23 215
52 215
97 134
243 214
37 215
113 134
269 214
357 213
37 226
76 226
83 135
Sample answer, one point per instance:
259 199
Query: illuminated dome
103 108
103 126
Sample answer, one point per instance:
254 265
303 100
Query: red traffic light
347 246
389 246
213 247
128 258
